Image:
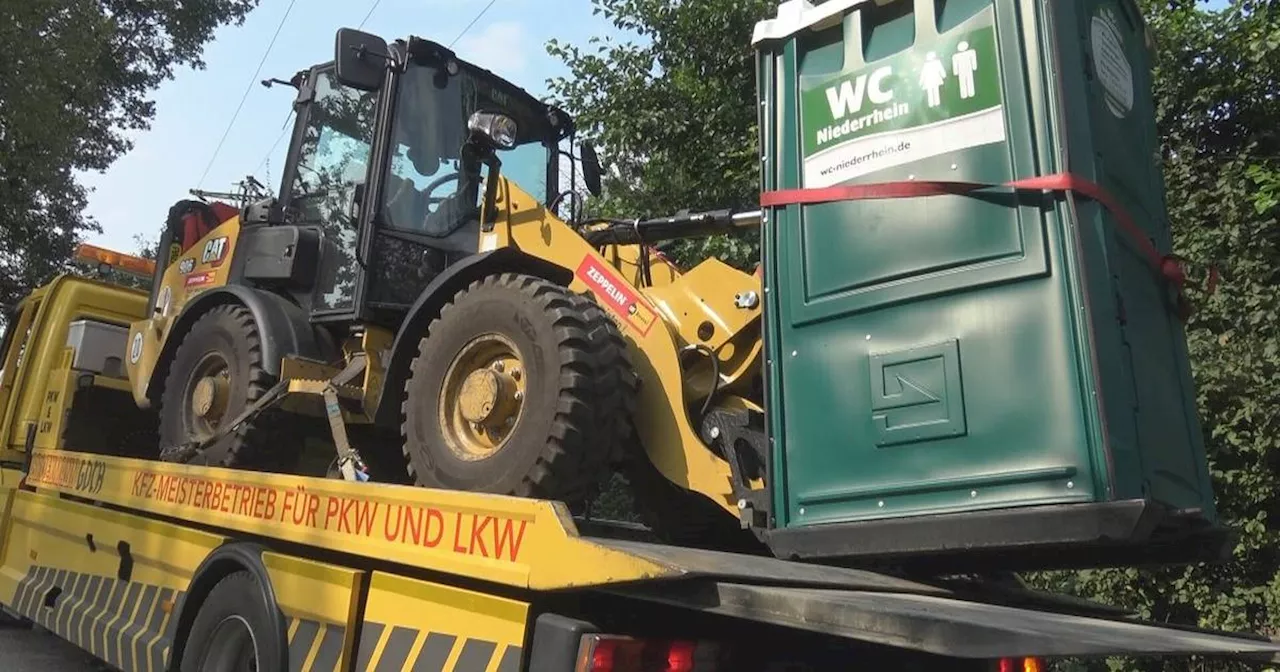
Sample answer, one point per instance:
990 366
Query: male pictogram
963 65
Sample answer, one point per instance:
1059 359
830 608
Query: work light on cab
499 130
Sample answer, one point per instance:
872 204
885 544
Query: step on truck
151 566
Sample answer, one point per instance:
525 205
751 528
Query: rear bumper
1130 532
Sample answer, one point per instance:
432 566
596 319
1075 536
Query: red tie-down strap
1167 266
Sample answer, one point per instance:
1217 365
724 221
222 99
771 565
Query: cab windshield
432 188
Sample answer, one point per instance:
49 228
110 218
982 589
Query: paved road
26 650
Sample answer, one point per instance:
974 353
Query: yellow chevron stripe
164 623
315 648
143 612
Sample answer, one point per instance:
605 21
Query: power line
473 22
253 80
366 16
284 128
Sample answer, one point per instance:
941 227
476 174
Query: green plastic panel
955 353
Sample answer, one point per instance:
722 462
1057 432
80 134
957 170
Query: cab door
328 166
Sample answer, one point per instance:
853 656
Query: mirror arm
363 52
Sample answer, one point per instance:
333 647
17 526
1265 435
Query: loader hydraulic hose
684 225
715 375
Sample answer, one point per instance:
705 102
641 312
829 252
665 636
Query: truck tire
234 630
505 395
216 372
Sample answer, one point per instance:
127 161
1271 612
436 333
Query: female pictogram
932 76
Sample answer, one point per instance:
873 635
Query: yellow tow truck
210 542
152 565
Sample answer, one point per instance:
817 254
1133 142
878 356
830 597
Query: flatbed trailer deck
120 557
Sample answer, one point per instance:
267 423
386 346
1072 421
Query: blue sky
133 196
192 111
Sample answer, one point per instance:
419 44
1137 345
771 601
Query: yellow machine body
205 266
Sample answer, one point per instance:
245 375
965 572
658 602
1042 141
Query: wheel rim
482 397
208 395
231 647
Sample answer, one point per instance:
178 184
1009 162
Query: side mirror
361 59
590 168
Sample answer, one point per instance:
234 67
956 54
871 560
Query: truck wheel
233 631
504 395
215 374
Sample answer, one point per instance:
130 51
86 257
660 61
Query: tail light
611 653
1021 665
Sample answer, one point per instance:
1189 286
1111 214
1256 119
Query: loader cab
383 165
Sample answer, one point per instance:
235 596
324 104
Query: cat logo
214 251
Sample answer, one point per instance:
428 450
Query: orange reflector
680 656
613 653
1021 665
125 263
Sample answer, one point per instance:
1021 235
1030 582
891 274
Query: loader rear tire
224 346
466 428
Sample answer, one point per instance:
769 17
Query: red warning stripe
1167 266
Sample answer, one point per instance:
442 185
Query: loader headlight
498 130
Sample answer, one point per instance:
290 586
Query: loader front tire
502 397
216 372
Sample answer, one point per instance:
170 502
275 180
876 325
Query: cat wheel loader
466 337
892 384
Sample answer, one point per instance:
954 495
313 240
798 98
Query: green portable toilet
996 375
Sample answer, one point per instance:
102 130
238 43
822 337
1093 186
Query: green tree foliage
674 110
673 107
1217 81
74 82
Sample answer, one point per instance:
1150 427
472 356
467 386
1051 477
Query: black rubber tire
615 386
616 382
562 445
237 600
274 440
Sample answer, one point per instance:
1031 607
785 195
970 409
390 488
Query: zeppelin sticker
616 295
199 280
